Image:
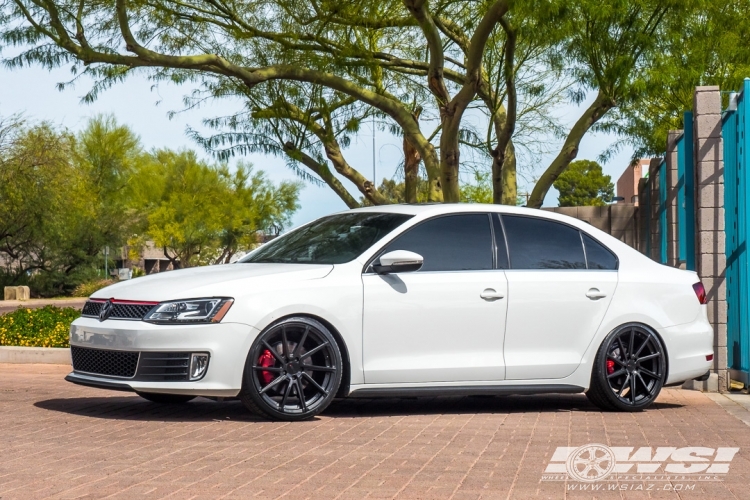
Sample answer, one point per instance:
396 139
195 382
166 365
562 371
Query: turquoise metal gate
736 138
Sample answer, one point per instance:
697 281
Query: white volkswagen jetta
404 301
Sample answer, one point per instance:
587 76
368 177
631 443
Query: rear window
542 244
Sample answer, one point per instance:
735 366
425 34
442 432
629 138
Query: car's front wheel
293 370
629 369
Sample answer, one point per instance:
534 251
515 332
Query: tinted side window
597 256
543 244
451 243
502 250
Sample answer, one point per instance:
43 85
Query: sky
145 108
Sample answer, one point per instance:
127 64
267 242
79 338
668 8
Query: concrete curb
29 355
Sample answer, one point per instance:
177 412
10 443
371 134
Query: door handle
595 294
491 294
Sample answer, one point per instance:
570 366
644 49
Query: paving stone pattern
59 440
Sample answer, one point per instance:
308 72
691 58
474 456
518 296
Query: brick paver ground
65 441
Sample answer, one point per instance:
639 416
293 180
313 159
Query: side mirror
398 261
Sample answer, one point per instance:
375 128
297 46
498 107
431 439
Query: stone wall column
710 236
673 249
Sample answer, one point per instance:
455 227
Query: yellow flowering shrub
45 327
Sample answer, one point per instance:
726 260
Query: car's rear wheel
629 370
293 370
166 399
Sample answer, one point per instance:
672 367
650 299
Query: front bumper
227 344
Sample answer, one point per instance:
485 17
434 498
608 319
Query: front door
445 322
560 285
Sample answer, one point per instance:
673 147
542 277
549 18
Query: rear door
557 297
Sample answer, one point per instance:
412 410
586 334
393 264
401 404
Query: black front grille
92 308
130 311
119 310
104 362
152 367
164 366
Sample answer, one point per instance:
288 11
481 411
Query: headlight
190 311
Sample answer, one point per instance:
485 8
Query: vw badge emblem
106 310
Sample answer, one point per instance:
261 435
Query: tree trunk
412 159
450 157
510 182
322 171
569 150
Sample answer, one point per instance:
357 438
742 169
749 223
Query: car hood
221 280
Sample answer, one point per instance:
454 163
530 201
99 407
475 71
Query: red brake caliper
610 366
266 360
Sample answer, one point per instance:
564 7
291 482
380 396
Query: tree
200 213
584 184
706 47
388 59
60 201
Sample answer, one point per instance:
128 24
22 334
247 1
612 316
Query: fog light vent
198 365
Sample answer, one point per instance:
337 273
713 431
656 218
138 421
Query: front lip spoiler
101 384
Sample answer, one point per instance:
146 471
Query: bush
89 287
45 327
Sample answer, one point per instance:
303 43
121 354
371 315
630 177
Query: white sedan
404 300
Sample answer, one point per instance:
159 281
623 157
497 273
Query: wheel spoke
315 384
648 372
274 383
314 368
286 394
624 384
273 351
285 343
301 342
616 360
623 354
632 389
650 356
313 351
301 395
617 373
632 340
638 352
268 369
643 383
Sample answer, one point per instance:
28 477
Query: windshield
331 240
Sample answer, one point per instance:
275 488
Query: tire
293 370
629 369
165 399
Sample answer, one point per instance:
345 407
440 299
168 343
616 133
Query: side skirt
466 390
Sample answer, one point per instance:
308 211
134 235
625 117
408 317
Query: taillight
700 292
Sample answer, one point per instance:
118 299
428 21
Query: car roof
451 208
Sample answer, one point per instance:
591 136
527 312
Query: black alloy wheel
293 370
629 369
165 399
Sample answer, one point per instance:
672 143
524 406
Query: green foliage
584 184
480 191
87 288
309 74
65 197
202 213
45 327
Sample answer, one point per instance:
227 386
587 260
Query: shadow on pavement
204 410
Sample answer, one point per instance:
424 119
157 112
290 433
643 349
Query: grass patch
48 326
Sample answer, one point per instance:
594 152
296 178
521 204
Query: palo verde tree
405 61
